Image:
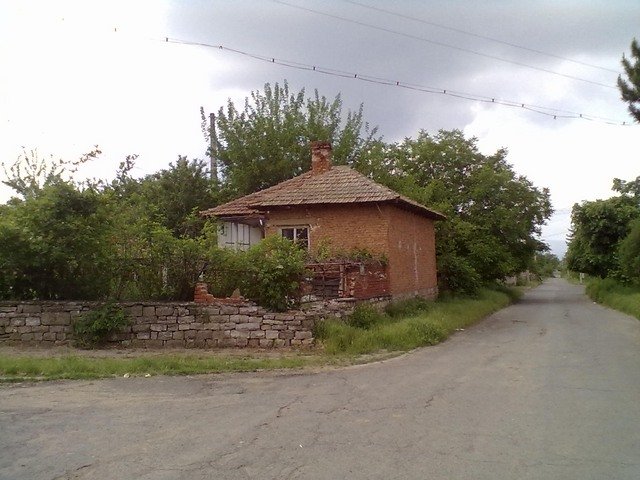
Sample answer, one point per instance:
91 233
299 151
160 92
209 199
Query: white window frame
295 229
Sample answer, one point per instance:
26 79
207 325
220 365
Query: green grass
19 368
625 298
368 335
394 331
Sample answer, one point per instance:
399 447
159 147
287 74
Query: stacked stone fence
172 325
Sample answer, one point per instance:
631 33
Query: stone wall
177 325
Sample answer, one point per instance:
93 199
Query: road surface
548 388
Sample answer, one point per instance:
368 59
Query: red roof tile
339 185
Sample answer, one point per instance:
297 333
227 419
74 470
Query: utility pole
213 149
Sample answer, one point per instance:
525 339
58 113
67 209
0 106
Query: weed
622 297
94 327
426 326
365 316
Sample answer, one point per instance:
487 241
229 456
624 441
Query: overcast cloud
68 81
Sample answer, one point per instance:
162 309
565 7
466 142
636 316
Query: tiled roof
340 185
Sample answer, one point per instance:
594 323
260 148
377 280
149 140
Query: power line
442 44
556 113
484 37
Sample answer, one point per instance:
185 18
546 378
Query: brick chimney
320 157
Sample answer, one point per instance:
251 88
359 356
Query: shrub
365 316
275 268
456 274
409 307
622 297
94 327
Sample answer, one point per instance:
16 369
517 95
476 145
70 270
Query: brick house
338 206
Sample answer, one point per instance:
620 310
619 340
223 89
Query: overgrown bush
629 254
365 316
409 307
275 268
94 328
608 291
457 275
404 332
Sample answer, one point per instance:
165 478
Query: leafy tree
544 264
30 173
597 227
630 88
629 253
494 215
127 239
629 188
176 194
268 141
54 245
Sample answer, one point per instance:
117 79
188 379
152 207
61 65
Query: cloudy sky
74 74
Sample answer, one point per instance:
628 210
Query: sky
75 74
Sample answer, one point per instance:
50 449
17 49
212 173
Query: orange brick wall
412 254
348 227
406 238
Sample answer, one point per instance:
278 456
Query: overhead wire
442 44
477 35
555 113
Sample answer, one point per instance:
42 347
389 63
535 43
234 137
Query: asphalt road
546 389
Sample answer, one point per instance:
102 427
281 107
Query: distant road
546 389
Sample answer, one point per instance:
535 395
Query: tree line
142 238
605 235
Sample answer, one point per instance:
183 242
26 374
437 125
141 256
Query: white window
299 235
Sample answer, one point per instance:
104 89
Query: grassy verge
369 335
625 298
410 326
20 368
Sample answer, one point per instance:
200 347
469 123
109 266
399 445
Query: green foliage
615 294
544 264
629 253
493 215
270 272
30 173
409 307
268 141
457 275
95 327
365 316
325 251
597 230
630 88
275 268
21 368
54 244
426 327
176 194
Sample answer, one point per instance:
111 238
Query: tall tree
268 141
630 88
494 215
597 228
